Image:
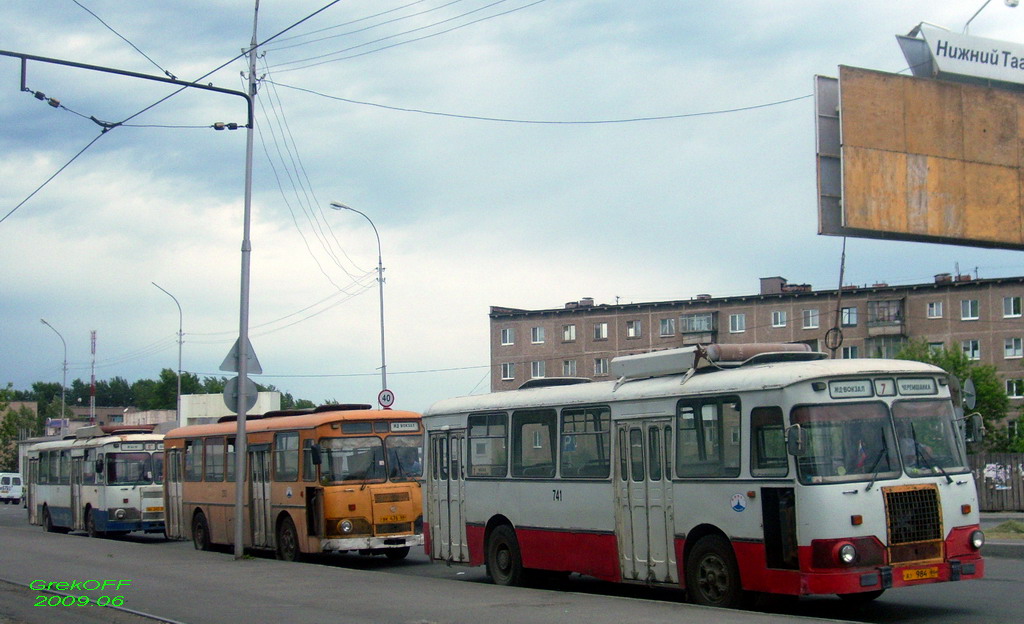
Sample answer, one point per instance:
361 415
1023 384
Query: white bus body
100 482
685 479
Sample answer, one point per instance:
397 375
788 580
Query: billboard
919 159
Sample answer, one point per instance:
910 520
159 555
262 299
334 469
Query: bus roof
707 381
296 421
86 442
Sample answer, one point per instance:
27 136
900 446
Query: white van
10 487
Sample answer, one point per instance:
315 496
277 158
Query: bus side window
533 443
214 459
89 467
586 442
194 460
308 469
486 445
286 456
768 456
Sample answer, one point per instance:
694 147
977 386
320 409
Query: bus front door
447 496
260 513
644 506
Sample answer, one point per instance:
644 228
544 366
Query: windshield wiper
923 453
875 468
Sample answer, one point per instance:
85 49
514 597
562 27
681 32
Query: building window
600 331
600 366
737 323
970 310
934 309
537 335
887 312
937 347
884 346
568 333
1011 307
1012 348
508 371
668 327
537 369
972 349
696 323
508 336
568 368
848 317
779 318
851 352
633 329
1015 388
810 319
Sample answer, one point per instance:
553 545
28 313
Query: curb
1003 548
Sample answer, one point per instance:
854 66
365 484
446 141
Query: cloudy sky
425 116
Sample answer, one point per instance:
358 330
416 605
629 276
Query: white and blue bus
104 480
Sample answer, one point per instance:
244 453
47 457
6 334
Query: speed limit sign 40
386 398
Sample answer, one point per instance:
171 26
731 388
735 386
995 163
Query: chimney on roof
586 302
772 285
703 297
943 278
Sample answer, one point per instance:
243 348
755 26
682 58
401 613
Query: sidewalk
1006 547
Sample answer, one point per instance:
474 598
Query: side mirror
796 441
99 466
975 427
315 454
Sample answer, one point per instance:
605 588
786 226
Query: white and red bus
772 470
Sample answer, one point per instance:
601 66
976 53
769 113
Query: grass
1011 529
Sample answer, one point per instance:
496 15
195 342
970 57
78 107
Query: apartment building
980 316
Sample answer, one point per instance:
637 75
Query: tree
992 402
15 425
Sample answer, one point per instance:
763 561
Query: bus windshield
405 457
928 442
134 468
352 459
847 442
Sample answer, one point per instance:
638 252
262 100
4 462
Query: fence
1000 479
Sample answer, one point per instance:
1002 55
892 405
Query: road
978 602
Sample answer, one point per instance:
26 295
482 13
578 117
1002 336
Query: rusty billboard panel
921 159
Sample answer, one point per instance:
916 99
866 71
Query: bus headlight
847 554
977 539
345 526
119 514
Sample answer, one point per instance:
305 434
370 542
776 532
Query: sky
467 134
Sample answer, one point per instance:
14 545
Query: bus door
447 496
644 506
31 483
172 489
260 513
77 522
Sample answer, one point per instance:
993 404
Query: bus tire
200 532
712 576
396 554
90 524
49 525
861 597
504 560
288 541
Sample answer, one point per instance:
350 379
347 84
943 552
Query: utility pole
243 322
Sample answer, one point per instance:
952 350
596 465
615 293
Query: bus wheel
90 524
861 597
200 532
712 576
288 541
504 562
48 523
397 554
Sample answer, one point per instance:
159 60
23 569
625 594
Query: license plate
154 508
389 519
919 574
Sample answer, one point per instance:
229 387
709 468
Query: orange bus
336 478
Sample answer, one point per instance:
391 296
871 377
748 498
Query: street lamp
1009 3
64 380
181 339
380 282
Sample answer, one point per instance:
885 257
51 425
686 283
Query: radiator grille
915 523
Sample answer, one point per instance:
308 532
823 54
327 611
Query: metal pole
64 379
380 282
181 339
243 320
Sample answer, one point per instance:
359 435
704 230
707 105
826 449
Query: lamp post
1009 3
64 379
380 282
181 339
